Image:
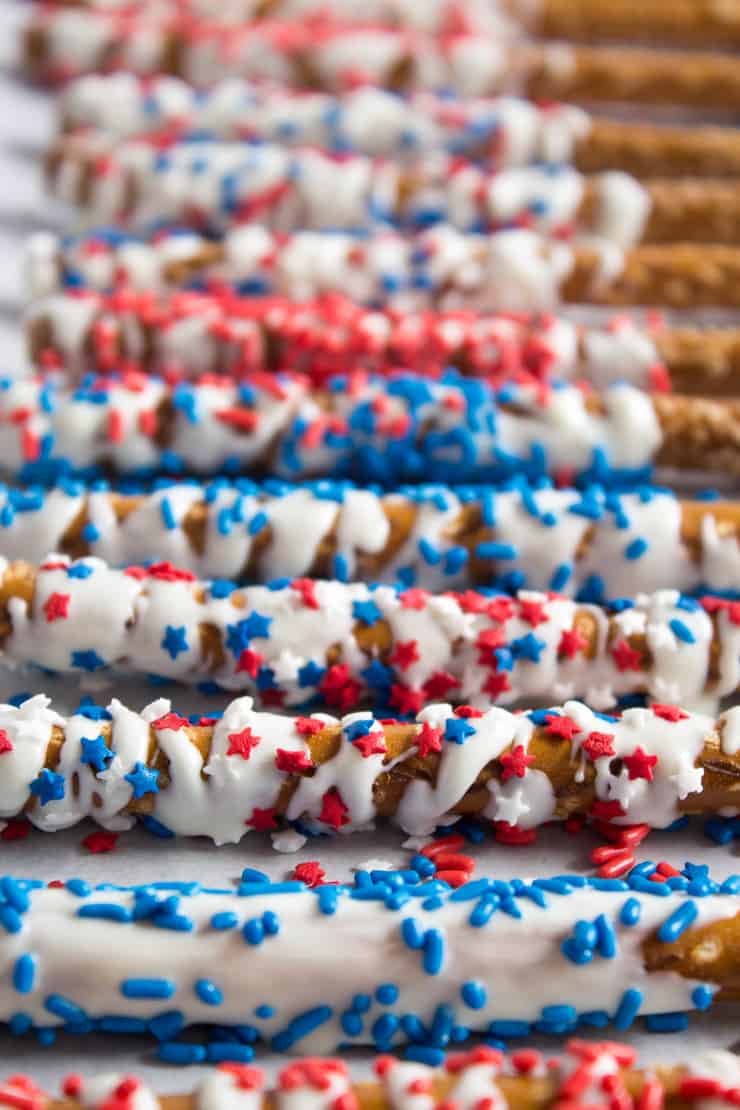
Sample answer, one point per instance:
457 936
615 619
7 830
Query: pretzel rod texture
587 1074
191 334
214 185
151 960
65 42
382 429
509 271
593 545
500 131
349 644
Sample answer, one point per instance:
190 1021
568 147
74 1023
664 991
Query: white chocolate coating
143 971
219 184
504 131
386 429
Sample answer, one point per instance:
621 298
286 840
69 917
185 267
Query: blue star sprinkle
175 641
143 779
48 787
95 752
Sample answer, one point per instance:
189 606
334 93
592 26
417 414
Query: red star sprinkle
6 744
733 611
571 643
311 873
606 811
371 744
428 739
490 638
339 688
242 743
101 841
56 607
497 684
627 658
333 810
262 819
292 762
249 662
170 720
562 726
307 726
467 711
306 587
669 713
406 652
598 744
439 684
15 830
413 599
516 762
640 764
500 609
533 612
406 700
471 602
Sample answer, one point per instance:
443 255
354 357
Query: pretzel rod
214 185
592 546
501 131
686 23
190 334
385 429
214 779
65 42
510 271
150 960
589 1073
350 644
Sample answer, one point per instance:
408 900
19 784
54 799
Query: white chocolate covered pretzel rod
63 42
593 545
350 643
588 1073
510 271
386 429
685 23
216 184
151 960
500 131
243 771
187 334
